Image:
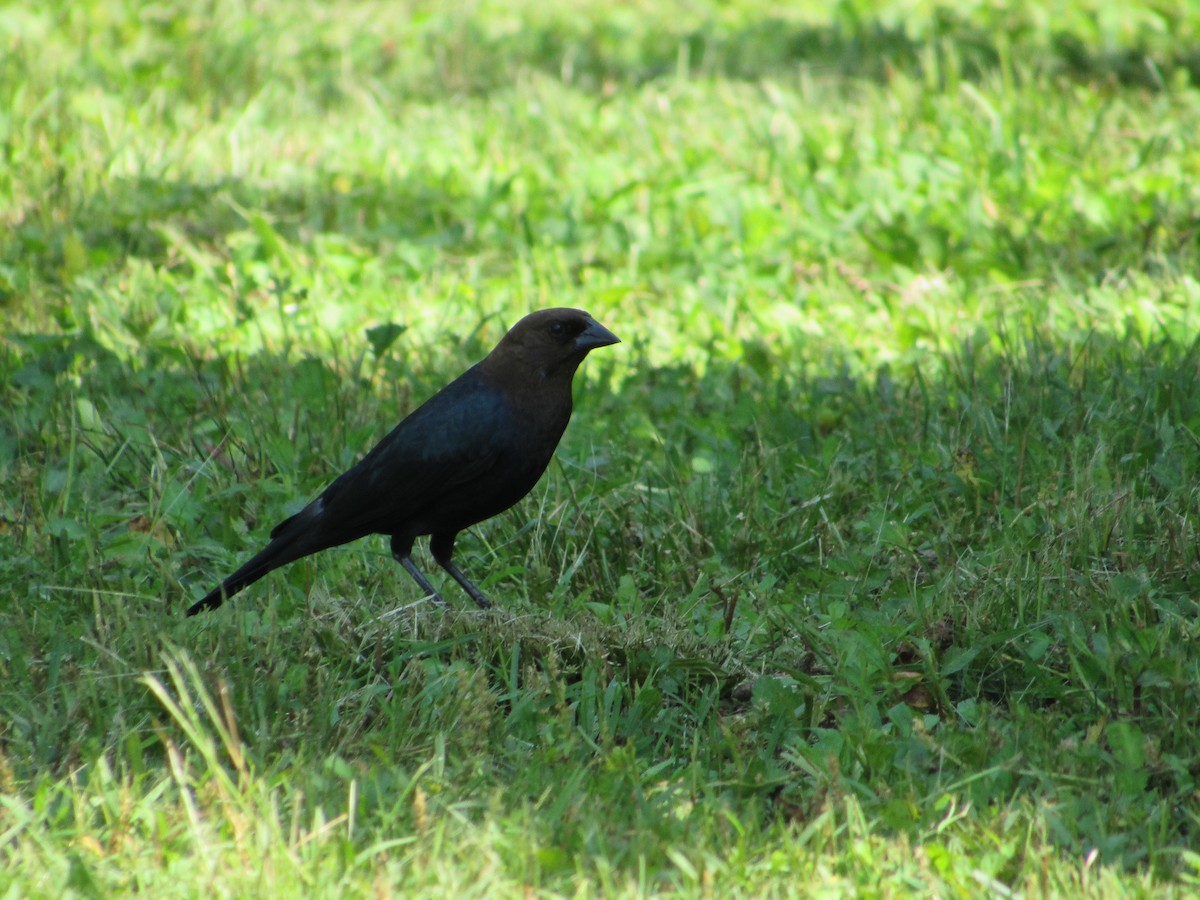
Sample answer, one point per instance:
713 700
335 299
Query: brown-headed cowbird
469 452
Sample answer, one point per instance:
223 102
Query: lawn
864 568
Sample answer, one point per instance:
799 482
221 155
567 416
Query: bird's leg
442 548
402 553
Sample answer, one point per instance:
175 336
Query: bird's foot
480 600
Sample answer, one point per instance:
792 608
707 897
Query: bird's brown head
551 342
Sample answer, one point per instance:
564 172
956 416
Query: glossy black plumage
469 452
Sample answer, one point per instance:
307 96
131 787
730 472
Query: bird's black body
471 451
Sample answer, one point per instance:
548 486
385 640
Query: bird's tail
286 546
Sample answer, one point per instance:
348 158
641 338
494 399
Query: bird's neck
509 368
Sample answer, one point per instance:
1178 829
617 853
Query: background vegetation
865 566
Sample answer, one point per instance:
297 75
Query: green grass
866 567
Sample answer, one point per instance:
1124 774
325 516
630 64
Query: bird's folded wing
449 442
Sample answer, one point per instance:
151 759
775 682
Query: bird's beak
595 335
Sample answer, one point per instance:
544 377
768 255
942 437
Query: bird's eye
558 329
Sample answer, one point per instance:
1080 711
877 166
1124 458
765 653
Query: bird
468 453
